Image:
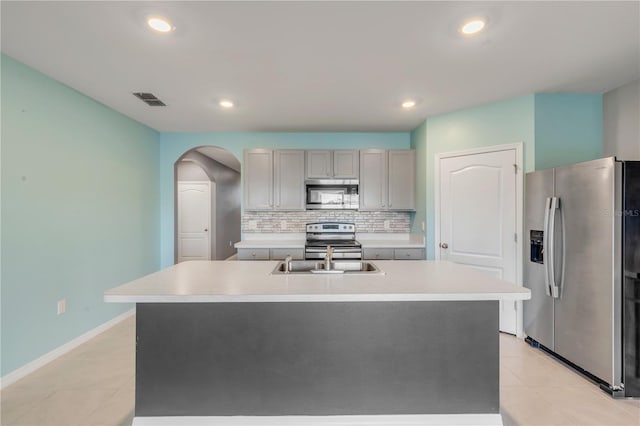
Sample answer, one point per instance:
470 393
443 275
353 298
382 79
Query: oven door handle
335 250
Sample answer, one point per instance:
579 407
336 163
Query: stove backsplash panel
271 221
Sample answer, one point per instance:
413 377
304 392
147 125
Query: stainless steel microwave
332 194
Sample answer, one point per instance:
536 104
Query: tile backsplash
276 221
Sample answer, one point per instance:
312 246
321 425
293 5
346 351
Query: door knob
444 245
206 230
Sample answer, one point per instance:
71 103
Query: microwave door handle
545 246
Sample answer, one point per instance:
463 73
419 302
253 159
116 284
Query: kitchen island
229 343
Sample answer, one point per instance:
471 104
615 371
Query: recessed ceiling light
226 103
408 104
160 24
473 26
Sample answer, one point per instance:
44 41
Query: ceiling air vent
149 98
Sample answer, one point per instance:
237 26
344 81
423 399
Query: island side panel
358 358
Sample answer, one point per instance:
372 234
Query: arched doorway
207 204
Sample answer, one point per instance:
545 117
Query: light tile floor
94 385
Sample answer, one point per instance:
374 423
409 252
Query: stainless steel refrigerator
583 268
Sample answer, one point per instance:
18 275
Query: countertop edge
258 244
314 298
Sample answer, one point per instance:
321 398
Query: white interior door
194 221
477 215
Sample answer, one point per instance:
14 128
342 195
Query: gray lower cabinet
393 253
281 253
253 254
270 253
377 253
409 254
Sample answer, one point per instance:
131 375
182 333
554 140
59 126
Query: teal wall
88 194
568 128
555 129
173 145
80 211
498 123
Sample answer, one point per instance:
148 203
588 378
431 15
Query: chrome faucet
287 264
328 258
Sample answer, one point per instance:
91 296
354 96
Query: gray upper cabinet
387 179
402 179
373 179
319 164
323 164
345 164
273 180
257 173
288 184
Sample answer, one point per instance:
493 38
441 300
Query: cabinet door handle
444 245
206 230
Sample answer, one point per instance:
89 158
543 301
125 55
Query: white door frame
209 216
518 147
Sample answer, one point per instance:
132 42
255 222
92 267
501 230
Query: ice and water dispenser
537 253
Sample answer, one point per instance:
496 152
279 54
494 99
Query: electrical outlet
62 306
230 243
423 229
387 224
283 225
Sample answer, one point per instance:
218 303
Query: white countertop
297 240
391 240
258 244
251 281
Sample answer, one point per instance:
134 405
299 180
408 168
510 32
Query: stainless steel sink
318 267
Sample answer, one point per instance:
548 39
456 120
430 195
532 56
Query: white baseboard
377 420
21 372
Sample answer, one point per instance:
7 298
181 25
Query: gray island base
376 361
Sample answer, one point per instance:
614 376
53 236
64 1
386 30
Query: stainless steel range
339 235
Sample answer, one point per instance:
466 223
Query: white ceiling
321 66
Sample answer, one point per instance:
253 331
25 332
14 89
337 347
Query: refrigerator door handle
545 246
551 243
560 282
